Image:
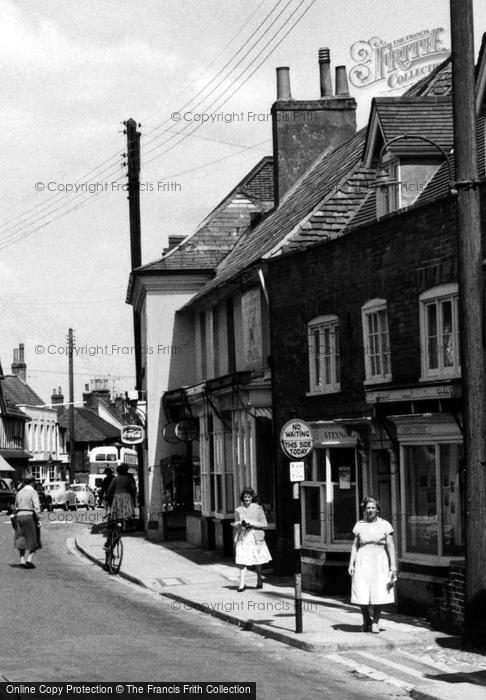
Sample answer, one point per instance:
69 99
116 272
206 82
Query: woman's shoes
375 628
240 589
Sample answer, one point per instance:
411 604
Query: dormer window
400 182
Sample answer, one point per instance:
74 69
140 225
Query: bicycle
113 546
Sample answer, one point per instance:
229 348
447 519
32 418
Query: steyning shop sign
296 439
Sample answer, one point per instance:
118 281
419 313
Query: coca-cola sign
132 434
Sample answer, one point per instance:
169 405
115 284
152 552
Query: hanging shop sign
168 433
186 430
296 439
132 434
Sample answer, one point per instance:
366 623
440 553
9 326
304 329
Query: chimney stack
305 129
325 72
342 87
57 398
283 83
19 368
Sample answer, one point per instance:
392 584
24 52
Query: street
69 620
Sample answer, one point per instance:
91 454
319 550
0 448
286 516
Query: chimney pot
21 352
283 83
325 72
342 87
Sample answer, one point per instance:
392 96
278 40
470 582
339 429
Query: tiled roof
88 426
322 179
336 193
438 83
19 393
218 233
426 116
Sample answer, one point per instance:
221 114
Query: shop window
439 326
330 497
433 512
323 352
376 338
218 495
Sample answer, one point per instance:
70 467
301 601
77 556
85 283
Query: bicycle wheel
114 554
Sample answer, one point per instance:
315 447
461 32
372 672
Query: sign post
296 441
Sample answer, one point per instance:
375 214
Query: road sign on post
297 442
296 439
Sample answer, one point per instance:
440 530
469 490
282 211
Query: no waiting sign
296 439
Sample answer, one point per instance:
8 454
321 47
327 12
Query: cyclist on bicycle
121 496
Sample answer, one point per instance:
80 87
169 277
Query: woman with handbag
251 548
27 532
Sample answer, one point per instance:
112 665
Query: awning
5 466
14 454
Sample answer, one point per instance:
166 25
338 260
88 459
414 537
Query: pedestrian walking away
372 565
26 522
105 484
251 548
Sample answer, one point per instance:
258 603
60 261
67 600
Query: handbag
13 520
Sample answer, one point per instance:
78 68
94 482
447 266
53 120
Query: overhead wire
19 234
22 216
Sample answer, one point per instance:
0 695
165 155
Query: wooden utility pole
133 161
72 452
470 257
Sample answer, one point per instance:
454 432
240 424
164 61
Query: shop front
330 497
431 535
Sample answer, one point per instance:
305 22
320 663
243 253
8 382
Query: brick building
365 347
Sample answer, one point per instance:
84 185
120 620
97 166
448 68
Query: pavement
407 654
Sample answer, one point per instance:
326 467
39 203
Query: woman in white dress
372 565
251 548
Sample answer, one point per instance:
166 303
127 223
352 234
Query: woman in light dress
251 549
372 565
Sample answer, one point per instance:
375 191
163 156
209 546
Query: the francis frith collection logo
397 63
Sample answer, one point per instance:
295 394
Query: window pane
432 354
321 465
312 524
421 499
343 475
337 368
316 349
447 338
452 526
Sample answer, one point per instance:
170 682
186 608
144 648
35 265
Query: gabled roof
322 178
428 116
19 393
88 426
204 248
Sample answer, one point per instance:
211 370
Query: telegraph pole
72 452
471 299
133 162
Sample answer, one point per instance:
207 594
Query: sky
71 73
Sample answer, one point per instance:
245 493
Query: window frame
321 325
326 539
371 308
424 557
437 296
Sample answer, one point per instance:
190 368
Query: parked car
7 496
45 498
84 496
62 495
